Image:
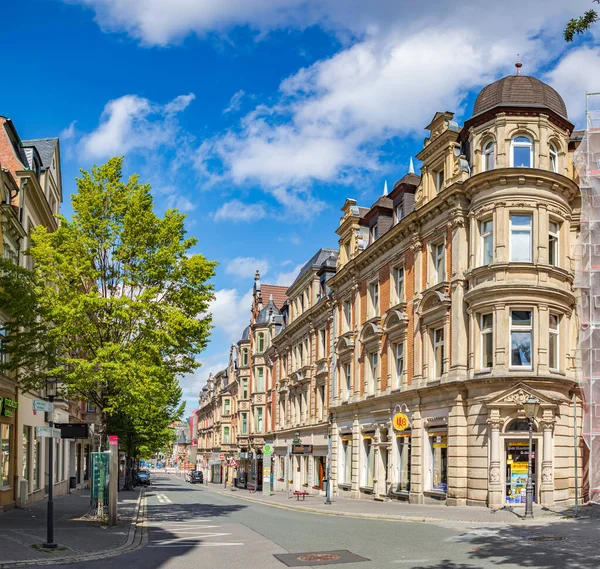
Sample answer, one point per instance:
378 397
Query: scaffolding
586 160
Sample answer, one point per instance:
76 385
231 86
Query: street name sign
47 432
41 405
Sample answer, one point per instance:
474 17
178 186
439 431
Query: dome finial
518 65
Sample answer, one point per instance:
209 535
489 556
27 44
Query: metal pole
328 487
575 453
287 474
529 488
50 509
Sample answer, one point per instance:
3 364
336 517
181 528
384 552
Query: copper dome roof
519 91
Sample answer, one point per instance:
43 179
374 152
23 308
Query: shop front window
37 453
26 453
369 462
439 461
345 472
5 438
402 470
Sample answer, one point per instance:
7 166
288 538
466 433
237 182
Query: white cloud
237 211
133 123
572 80
287 278
235 102
246 267
68 133
231 312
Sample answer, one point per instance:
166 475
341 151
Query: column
495 494
547 478
501 339
457 452
416 459
541 339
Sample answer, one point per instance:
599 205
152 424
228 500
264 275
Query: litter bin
72 483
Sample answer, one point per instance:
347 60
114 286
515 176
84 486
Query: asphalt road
192 527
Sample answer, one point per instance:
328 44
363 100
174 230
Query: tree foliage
115 307
580 25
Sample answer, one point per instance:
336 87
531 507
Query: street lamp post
328 472
50 544
530 406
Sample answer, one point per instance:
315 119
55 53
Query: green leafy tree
580 25
115 308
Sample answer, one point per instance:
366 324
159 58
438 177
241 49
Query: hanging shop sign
302 449
75 431
267 449
7 406
401 421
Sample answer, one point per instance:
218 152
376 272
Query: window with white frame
520 238
347 381
553 240
486 230
260 379
373 299
373 358
553 156
399 212
521 338
439 180
398 363
368 462
439 262
398 276
521 152
374 233
438 353
347 315
487 162
487 340
553 344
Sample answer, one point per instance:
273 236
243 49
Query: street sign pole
50 507
113 480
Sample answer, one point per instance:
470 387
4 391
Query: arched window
521 152
519 425
488 157
553 158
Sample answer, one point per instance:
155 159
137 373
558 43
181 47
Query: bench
297 493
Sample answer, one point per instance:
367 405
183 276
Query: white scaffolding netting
586 160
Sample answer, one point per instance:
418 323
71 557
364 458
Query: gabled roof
45 148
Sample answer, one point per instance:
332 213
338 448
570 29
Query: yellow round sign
400 421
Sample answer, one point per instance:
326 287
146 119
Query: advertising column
266 478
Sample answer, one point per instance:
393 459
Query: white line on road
192 544
163 499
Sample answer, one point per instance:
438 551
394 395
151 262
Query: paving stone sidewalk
22 531
401 511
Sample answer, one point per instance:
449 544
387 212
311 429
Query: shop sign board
113 440
47 432
7 406
302 449
41 405
73 430
401 421
267 449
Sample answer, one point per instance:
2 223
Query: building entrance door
517 456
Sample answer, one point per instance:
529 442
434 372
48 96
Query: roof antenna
518 65
411 168
385 190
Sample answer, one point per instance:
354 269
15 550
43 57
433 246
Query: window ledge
523 368
366 489
345 485
435 493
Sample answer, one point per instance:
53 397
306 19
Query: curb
382 517
137 538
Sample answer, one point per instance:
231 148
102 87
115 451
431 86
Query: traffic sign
113 440
41 405
267 449
221 457
47 432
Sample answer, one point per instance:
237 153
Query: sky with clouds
257 118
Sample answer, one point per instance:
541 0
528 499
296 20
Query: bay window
553 156
487 162
553 235
487 340
260 379
486 229
553 344
259 419
521 152
520 238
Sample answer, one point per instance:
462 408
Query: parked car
142 478
188 475
196 477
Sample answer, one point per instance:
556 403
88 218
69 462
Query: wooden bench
297 493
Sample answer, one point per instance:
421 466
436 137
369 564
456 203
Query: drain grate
318 558
547 538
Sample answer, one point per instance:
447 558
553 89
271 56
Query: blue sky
259 117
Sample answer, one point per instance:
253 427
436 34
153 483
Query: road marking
192 544
163 499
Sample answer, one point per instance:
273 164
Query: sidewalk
402 511
22 531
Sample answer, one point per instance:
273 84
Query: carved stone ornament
547 474
495 474
519 397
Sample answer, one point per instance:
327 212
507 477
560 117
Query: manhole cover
547 538
317 558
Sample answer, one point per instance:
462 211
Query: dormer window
398 212
521 152
488 157
374 233
553 155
